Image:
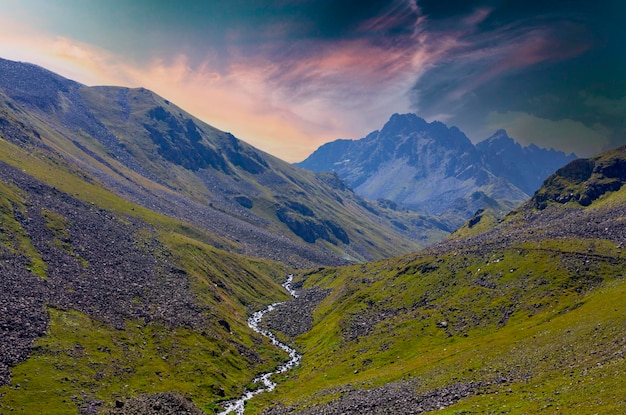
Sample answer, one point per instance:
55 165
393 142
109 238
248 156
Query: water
238 406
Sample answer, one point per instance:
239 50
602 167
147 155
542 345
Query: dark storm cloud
550 72
545 62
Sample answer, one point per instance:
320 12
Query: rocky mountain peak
526 167
433 168
500 134
420 165
403 124
500 150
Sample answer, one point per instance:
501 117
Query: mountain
151 152
106 299
525 167
524 316
123 288
435 169
123 224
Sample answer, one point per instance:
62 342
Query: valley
143 255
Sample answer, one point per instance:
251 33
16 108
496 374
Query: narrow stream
238 406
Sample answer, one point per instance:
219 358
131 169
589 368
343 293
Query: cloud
474 55
565 134
608 107
293 76
286 97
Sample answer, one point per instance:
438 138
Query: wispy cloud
473 56
292 82
287 98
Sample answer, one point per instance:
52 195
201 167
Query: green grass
527 314
13 236
238 284
82 360
55 172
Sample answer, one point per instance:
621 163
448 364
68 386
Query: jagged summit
435 169
525 167
427 167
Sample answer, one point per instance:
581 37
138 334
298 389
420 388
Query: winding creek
238 406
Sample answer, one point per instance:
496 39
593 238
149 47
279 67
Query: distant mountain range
435 169
151 152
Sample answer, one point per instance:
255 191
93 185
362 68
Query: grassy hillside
235 177
526 317
122 223
103 299
147 150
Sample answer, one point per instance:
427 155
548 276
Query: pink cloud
286 107
288 99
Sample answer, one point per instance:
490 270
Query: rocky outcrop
583 180
303 221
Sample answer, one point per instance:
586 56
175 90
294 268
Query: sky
289 75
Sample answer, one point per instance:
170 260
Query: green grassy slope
317 208
98 256
146 149
532 311
85 358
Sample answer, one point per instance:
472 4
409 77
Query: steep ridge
152 153
525 317
435 169
525 167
